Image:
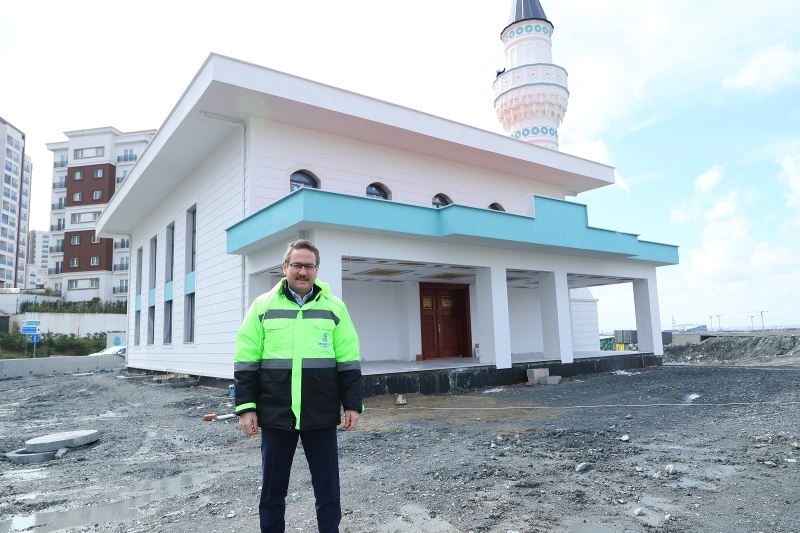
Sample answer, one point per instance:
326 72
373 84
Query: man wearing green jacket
297 362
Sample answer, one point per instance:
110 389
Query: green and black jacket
296 366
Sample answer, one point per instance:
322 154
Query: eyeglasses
309 267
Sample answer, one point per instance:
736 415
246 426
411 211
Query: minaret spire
531 93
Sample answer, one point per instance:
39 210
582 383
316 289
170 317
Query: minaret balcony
529 75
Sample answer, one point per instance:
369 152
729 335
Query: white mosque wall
348 166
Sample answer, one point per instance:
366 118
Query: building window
96 195
83 153
95 239
94 261
441 200
73 262
151 324
151 279
168 322
191 238
188 318
76 197
94 283
136 331
57 286
169 253
139 271
98 173
303 178
77 176
75 240
72 284
496 207
376 190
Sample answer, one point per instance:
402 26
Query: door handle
439 326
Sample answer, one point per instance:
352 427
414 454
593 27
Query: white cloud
725 207
680 216
790 176
767 70
708 180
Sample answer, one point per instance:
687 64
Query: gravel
477 462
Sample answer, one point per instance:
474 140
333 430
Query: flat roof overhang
240 91
558 226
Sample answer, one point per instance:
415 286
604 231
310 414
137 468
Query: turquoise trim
138 302
529 84
534 65
168 291
558 224
188 283
151 297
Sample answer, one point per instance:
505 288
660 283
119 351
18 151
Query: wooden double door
445 320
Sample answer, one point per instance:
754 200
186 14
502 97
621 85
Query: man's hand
350 420
249 423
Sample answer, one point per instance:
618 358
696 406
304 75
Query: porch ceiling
371 270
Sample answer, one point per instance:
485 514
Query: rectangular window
57 286
169 253
77 176
76 197
151 280
191 238
94 261
139 271
188 318
168 322
98 173
94 283
96 195
72 284
136 323
83 153
95 239
73 262
151 324
75 240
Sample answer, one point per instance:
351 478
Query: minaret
531 92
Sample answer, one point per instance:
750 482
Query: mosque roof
526 10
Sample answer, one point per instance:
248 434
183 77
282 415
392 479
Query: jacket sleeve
247 360
348 362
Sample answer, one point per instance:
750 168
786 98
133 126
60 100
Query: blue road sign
35 338
29 330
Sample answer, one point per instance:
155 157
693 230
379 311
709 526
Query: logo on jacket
325 343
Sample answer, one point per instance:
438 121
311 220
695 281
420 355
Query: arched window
441 200
496 207
377 190
303 178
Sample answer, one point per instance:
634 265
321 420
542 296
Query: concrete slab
553 380
66 439
538 375
24 457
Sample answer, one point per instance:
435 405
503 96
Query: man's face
301 280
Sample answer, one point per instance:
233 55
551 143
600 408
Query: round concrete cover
67 439
23 457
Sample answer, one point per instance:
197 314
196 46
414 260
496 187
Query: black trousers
322 454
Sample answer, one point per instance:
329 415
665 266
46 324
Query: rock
791 460
582 467
667 517
625 438
770 464
796 445
230 515
638 511
639 469
628 417
670 470
61 453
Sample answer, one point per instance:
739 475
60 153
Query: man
296 362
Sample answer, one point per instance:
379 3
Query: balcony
127 158
119 290
121 267
59 249
59 185
60 164
53 271
57 227
59 205
122 245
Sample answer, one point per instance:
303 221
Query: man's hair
300 244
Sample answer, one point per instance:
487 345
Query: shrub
94 305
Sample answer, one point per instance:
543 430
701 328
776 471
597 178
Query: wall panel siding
215 188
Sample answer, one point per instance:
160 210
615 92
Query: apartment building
15 209
88 168
38 257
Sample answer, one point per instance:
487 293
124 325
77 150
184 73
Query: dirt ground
495 460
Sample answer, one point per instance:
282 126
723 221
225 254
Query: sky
696 105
